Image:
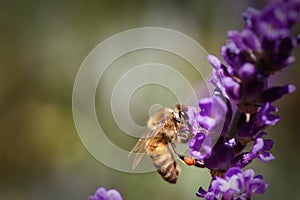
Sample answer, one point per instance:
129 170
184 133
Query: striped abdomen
163 160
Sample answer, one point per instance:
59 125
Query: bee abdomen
165 164
170 173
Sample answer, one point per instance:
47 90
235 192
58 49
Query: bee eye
181 114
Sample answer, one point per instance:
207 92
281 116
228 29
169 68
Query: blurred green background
43 44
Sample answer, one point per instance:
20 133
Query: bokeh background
43 43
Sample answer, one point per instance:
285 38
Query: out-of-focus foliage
42 44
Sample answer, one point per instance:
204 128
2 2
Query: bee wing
140 153
143 144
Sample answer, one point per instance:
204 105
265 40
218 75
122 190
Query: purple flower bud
214 61
251 16
251 39
274 93
247 72
275 16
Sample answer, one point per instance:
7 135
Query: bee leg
183 137
188 160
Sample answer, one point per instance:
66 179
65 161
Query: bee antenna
178 107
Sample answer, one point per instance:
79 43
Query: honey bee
163 129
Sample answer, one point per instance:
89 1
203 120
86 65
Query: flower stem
233 125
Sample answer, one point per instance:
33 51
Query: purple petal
268 144
207 122
261 134
260 148
251 16
192 116
236 184
219 108
232 88
251 39
257 146
288 61
257 186
201 193
254 184
200 146
196 142
213 113
269 119
233 184
101 194
214 61
259 177
233 171
266 156
114 195
293 12
248 175
205 105
264 116
271 33
230 143
236 37
275 16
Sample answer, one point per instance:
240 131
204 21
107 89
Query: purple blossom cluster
236 184
240 109
103 194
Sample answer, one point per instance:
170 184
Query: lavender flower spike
261 49
241 106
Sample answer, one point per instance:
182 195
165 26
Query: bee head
180 110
